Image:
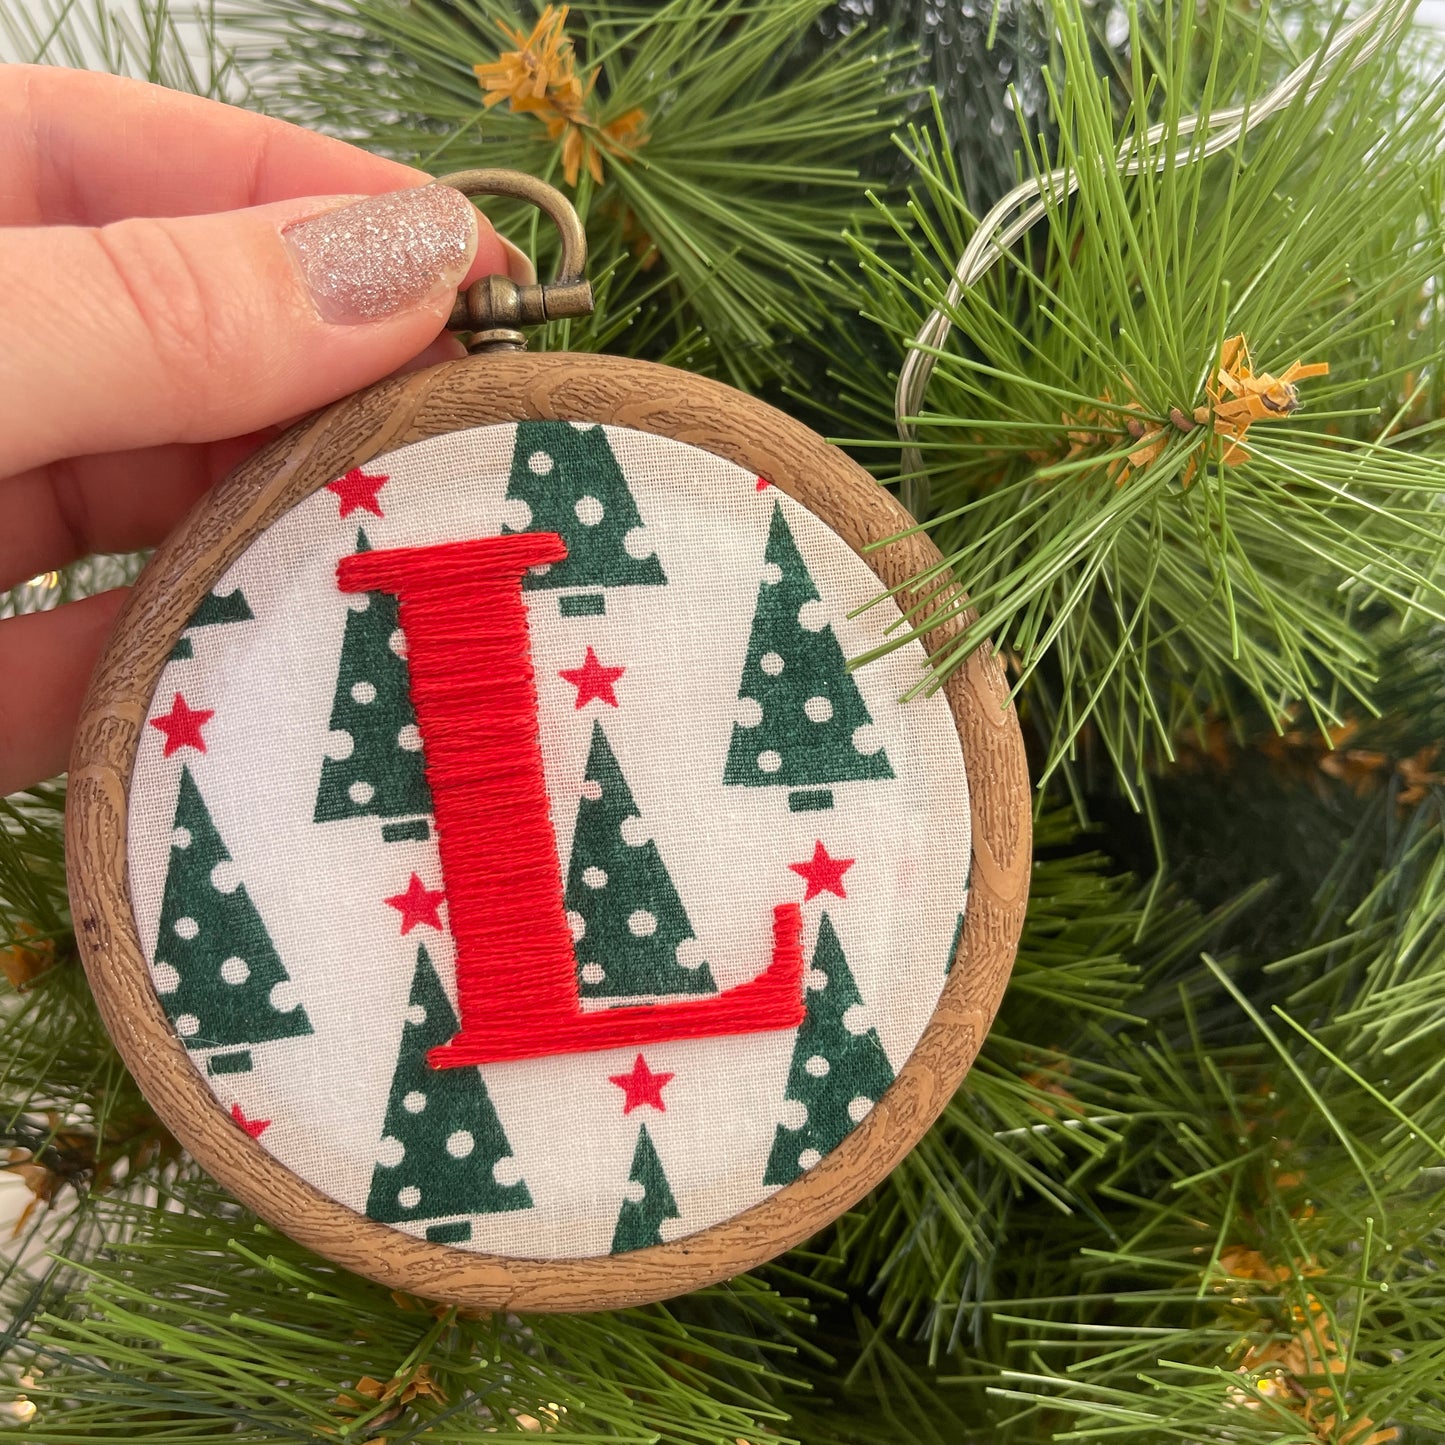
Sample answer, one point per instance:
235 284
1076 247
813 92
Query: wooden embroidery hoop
510 386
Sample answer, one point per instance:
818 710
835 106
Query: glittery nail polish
384 254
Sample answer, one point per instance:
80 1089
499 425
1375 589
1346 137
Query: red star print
418 904
254 1127
822 873
641 1086
357 490
763 484
592 680
182 725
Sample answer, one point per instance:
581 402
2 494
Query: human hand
165 306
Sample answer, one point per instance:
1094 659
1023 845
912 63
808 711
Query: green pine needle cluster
1207 1208
988 67
1290 1213
304 1351
1106 543
747 147
1192 1190
180 48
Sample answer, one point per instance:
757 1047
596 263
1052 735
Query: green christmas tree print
571 484
443 1151
216 608
216 971
839 1069
631 933
801 720
374 765
647 1202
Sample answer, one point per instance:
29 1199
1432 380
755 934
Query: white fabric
320 888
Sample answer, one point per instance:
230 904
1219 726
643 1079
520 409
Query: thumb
191 329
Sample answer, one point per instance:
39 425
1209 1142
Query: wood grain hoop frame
446 398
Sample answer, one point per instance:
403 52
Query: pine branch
200 1324
1100 527
735 189
1264 1267
989 66
146 41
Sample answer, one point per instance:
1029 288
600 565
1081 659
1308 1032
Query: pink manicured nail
385 254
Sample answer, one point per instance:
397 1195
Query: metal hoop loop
496 305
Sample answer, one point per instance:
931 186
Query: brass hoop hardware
495 306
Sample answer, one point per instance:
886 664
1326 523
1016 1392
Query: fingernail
385 254
519 264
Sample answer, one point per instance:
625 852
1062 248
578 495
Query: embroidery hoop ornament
499 383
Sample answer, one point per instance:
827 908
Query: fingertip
445 348
497 256
230 320
46 660
520 266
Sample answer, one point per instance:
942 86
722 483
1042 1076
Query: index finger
81 148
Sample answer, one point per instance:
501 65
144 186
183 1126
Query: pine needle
1106 537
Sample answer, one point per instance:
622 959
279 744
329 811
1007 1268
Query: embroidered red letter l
475 696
